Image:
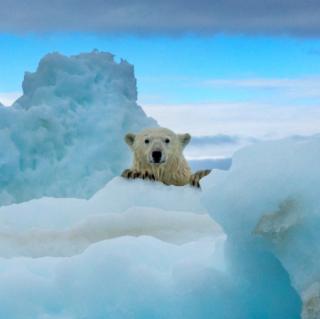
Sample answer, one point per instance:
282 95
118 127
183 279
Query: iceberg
76 241
136 249
64 136
66 226
140 249
182 259
268 204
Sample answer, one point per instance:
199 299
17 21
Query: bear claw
148 175
195 178
128 173
132 174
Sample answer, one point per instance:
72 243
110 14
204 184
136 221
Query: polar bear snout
156 151
157 157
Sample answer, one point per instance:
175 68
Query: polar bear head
157 146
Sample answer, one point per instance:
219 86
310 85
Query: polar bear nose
156 156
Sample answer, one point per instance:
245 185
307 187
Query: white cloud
307 87
7 98
251 121
244 119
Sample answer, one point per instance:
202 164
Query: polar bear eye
167 141
147 141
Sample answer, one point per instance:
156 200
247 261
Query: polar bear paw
133 174
195 178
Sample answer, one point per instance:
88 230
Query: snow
119 278
269 203
65 227
64 136
102 258
139 249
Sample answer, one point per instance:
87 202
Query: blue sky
248 70
216 84
163 64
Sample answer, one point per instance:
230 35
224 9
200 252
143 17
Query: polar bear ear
184 139
129 138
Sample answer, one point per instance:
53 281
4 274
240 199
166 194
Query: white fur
174 170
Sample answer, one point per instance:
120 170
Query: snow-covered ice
64 136
143 257
178 264
140 249
269 203
66 227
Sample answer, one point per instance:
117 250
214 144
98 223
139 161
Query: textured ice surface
65 227
269 203
134 250
138 249
124 277
64 136
145 250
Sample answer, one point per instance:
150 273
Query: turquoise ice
64 136
246 246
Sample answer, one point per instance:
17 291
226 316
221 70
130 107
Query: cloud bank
174 17
305 87
215 140
7 98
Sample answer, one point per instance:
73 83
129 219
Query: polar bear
158 156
